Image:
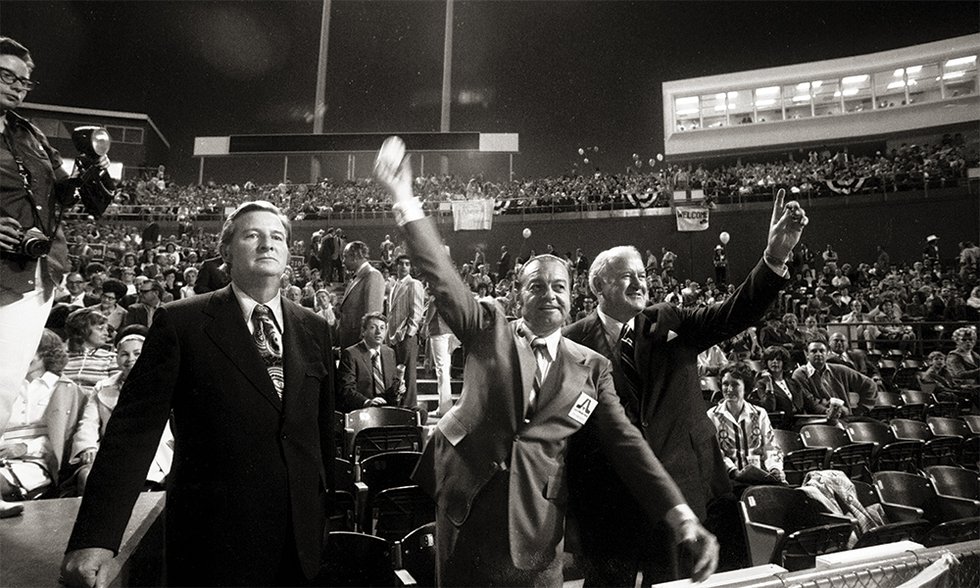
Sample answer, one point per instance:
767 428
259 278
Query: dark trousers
407 354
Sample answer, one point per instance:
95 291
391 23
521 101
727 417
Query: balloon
635 156
526 233
660 157
724 237
596 149
586 161
581 151
652 162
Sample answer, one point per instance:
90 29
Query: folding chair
797 459
415 557
935 450
854 459
890 453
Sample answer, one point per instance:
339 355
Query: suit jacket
843 380
357 377
365 293
670 411
210 276
88 300
250 471
405 309
485 434
777 401
857 359
139 314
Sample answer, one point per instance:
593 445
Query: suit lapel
649 349
597 334
565 382
228 332
528 366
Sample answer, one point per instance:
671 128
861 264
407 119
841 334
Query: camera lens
36 247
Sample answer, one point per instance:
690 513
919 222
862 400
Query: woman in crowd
99 406
773 389
190 278
861 332
963 362
41 424
88 362
744 432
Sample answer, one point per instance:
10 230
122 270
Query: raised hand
785 228
393 169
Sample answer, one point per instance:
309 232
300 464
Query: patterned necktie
627 358
377 376
541 359
269 343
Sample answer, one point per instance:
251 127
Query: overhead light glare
962 61
855 79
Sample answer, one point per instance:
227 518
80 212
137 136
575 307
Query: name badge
582 409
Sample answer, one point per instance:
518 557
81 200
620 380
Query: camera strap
25 176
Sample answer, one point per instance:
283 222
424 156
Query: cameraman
34 190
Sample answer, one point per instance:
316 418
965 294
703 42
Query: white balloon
581 151
586 161
724 237
526 233
660 157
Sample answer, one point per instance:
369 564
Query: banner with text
691 218
472 215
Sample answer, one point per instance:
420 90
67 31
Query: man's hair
10 47
543 258
401 257
94 268
228 228
603 259
157 287
373 316
820 339
359 249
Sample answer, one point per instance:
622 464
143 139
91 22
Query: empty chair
907 375
972 422
955 482
800 420
887 368
786 527
890 453
852 458
933 407
949 427
356 559
380 429
797 459
348 498
902 410
397 511
891 531
339 434
935 450
415 557
883 409
908 496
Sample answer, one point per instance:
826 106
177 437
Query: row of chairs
788 527
359 559
862 447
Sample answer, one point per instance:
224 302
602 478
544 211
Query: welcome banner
691 218
472 215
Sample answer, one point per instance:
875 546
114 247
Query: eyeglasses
147 291
9 77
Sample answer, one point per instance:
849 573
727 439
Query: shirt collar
248 304
49 379
810 370
612 327
551 341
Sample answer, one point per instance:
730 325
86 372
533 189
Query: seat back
787 440
954 481
869 432
910 429
356 559
823 436
797 459
908 490
388 470
395 512
972 422
416 553
374 440
948 427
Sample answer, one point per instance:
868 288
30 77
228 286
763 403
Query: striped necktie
627 358
377 375
269 343
541 360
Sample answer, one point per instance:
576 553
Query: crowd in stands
820 173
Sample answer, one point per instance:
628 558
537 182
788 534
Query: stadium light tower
319 103
447 79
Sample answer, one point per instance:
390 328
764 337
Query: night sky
562 74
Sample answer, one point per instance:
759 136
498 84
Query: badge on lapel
582 409
671 335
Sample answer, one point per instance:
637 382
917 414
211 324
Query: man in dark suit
248 377
359 386
656 377
495 463
855 359
365 293
77 295
505 263
327 256
211 277
150 295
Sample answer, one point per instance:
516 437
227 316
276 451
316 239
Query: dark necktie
377 376
269 343
627 358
